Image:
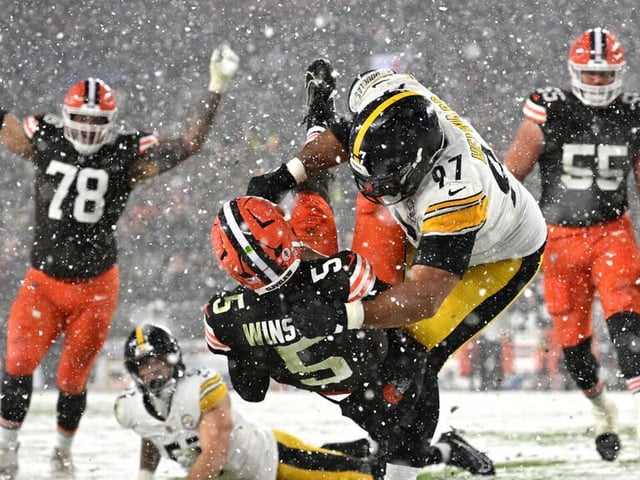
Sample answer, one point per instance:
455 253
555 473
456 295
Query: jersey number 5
91 186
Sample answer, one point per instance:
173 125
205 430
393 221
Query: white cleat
8 460
62 464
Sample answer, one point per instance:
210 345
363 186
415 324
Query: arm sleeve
248 379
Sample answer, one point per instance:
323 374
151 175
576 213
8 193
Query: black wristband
273 185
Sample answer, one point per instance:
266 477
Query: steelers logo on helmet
394 143
254 244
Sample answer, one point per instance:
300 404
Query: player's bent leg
379 239
313 222
483 293
624 329
582 366
300 461
16 397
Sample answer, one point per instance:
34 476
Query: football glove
223 65
272 185
319 317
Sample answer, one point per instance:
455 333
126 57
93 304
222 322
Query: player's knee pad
16 397
70 409
582 365
624 328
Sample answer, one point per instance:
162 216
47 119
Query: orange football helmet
596 50
254 243
88 112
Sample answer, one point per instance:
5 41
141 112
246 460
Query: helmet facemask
154 360
597 51
88 114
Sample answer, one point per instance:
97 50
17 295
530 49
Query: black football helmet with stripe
394 143
153 341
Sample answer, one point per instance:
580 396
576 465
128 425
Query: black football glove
272 185
319 317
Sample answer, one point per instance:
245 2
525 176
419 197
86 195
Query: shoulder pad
362 278
122 408
535 107
52 119
631 99
147 140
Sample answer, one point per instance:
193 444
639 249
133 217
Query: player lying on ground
188 417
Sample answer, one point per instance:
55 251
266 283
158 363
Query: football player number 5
327 371
91 185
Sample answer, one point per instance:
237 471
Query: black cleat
320 87
465 456
608 446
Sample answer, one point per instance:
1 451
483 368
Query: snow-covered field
529 435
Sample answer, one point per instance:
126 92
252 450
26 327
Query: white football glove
223 65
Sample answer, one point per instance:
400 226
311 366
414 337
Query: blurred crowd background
481 56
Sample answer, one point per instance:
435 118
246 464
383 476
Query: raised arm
322 153
12 135
170 152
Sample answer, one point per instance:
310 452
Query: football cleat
464 456
8 460
606 427
62 465
320 88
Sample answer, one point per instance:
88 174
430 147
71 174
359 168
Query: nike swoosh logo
457 190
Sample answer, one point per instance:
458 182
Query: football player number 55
581 178
91 186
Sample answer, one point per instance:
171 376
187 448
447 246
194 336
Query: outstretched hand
223 65
319 317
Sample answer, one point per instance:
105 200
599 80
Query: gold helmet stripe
140 338
355 152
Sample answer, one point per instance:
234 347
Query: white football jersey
467 190
253 453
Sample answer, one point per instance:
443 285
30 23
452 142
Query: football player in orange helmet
392 393
84 174
585 143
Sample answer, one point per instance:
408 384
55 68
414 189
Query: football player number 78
91 185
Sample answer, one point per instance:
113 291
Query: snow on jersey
243 325
469 198
78 199
587 156
253 453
